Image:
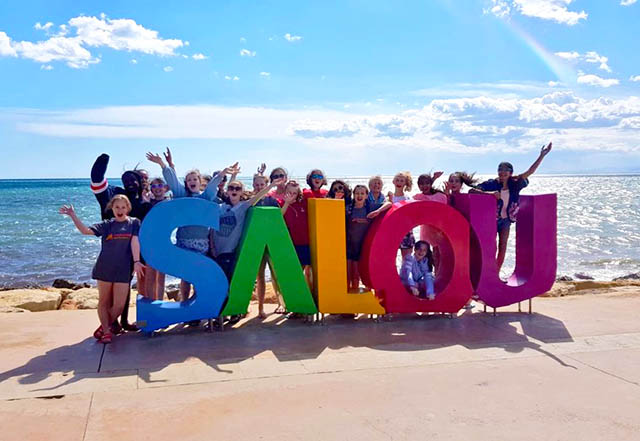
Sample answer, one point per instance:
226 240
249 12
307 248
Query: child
416 272
154 280
507 189
340 190
260 182
358 220
281 175
294 210
375 199
232 217
118 258
315 181
402 182
191 237
427 191
453 186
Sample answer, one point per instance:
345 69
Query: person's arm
406 275
211 191
380 210
69 211
235 171
262 193
98 170
175 186
289 199
138 267
543 152
495 194
169 158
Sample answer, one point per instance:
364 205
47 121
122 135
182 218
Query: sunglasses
338 188
234 188
157 185
315 176
278 176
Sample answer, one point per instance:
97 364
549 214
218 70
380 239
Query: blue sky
354 87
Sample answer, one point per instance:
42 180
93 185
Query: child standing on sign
402 182
507 189
429 193
154 280
417 271
118 259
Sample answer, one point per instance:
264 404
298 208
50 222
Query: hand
360 221
290 197
339 195
447 188
169 158
437 174
545 150
373 214
68 210
415 291
139 268
496 194
155 158
262 168
277 182
232 169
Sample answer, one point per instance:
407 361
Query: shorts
408 241
227 262
198 245
503 222
304 254
354 250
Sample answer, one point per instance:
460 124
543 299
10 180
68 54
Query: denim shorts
503 222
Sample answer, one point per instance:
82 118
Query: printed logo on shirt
228 223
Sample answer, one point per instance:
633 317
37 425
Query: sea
598 227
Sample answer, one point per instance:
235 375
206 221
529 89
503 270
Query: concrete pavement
568 371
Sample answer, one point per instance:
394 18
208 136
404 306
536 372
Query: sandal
106 339
130 327
98 333
281 310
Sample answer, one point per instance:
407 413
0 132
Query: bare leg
308 275
150 282
503 238
105 301
120 291
185 289
159 291
261 288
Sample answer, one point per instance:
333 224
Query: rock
62 283
632 276
68 304
85 298
12 309
583 276
564 279
31 299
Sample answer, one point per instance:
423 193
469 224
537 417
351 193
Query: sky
354 87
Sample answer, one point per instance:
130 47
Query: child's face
158 189
425 186
259 184
455 183
292 188
360 194
317 179
338 190
399 181
193 182
203 183
504 174
420 252
120 209
375 186
234 191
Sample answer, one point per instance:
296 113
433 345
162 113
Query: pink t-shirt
437 197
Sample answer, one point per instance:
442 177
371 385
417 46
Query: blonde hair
407 178
375 178
293 183
261 176
119 197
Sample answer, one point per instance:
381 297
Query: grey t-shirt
226 238
115 262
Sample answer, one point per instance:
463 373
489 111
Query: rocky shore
67 295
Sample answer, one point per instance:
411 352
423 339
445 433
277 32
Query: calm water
598 227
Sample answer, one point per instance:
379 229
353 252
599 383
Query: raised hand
68 210
169 158
290 197
545 150
437 174
278 182
155 158
262 168
232 169
447 188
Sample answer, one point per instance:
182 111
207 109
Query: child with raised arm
417 271
506 189
118 259
315 180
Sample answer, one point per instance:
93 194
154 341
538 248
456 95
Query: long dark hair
347 191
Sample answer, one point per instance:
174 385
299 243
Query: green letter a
265 230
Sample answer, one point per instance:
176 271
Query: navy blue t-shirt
115 261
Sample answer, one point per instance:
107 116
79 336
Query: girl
402 182
118 258
429 193
506 189
294 210
416 272
281 175
192 237
453 186
375 199
315 181
357 225
154 280
232 217
340 190
260 182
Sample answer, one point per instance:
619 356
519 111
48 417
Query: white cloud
118 34
265 74
292 38
243 40
553 83
46 67
554 10
568 55
199 57
43 27
589 57
247 53
627 2
168 69
230 78
472 125
134 61
594 80
635 78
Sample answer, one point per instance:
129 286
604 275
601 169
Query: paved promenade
570 371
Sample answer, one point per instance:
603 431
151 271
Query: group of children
123 208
